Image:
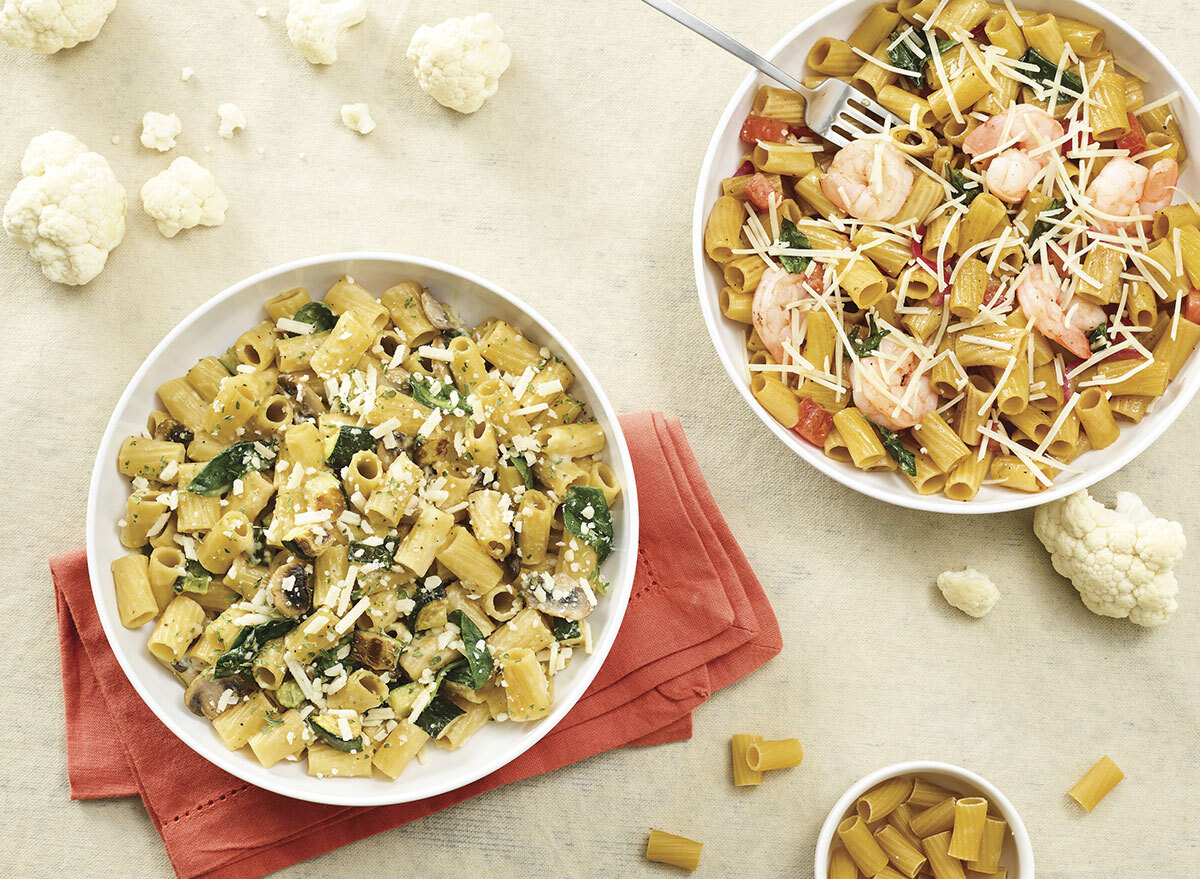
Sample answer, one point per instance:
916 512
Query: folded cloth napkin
697 621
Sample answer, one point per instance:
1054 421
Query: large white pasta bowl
724 154
211 329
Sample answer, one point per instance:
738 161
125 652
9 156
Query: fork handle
726 42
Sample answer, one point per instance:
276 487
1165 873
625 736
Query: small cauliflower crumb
970 591
357 117
68 212
314 26
47 26
1121 561
159 131
261 12
186 74
183 196
116 140
459 62
232 119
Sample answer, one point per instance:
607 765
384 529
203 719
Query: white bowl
211 329
1017 855
838 19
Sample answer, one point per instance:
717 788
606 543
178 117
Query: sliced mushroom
171 431
308 401
291 589
560 595
512 565
186 669
206 696
380 652
435 312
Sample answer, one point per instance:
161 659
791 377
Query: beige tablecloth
573 188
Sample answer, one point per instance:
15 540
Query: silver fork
835 110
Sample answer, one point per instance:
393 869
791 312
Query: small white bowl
838 19
1017 855
211 329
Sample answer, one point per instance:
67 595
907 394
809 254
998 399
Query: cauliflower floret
69 211
232 119
459 62
183 196
1119 560
969 590
357 117
49 25
159 131
314 27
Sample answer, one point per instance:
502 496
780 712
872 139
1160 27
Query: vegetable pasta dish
984 291
364 527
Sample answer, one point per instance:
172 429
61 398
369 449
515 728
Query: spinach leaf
962 185
381 555
1098 338
235 462
259 554
346 443
437 715
434 394
586 515
902 456
317 314
790 234
193 579
328 658
245 647
479 658
1047 70
518 461
566 630
912 60
1041 228
868 344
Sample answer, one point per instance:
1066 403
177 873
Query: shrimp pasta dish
366 526
988 288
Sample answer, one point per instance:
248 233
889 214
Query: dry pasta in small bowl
980 299
367 526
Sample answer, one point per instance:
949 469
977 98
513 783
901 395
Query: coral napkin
697 621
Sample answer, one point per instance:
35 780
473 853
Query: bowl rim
389 793
845 474
911 767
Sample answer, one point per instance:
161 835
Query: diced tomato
1135 139
1077 141
744 169
979 31
814 424
760 192
1191 307
757 128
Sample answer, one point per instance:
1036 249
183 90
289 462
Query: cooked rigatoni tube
990 846
1011 472
776 398
879 802
940 442
136 604
928 479
723 233
861 439
963 91
179 625
1001 30
779 103
737 305
871 77
965 480
970 814
1096 784
1172 350
743 775
970 285
905 856
865 851
778 754
941 863
1108 118
925 794
983 216
678 851
1095 415
1044 37
900 819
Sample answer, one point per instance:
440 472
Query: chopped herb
479 658
790 235
1041 228
586 515
437 715
868 344
962 185
446 397
235 462
902 456
1047 70
246 646
317 314
1098 338
912 60
273 719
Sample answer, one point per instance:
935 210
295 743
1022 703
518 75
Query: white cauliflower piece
459 62
183 196
68 212
357 117
185 75
232 118
1120 561
314 26
159 131
49 25
969 590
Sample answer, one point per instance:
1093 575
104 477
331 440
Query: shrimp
884 378
868 179
1010 174
776 291
1123 188
1057 315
